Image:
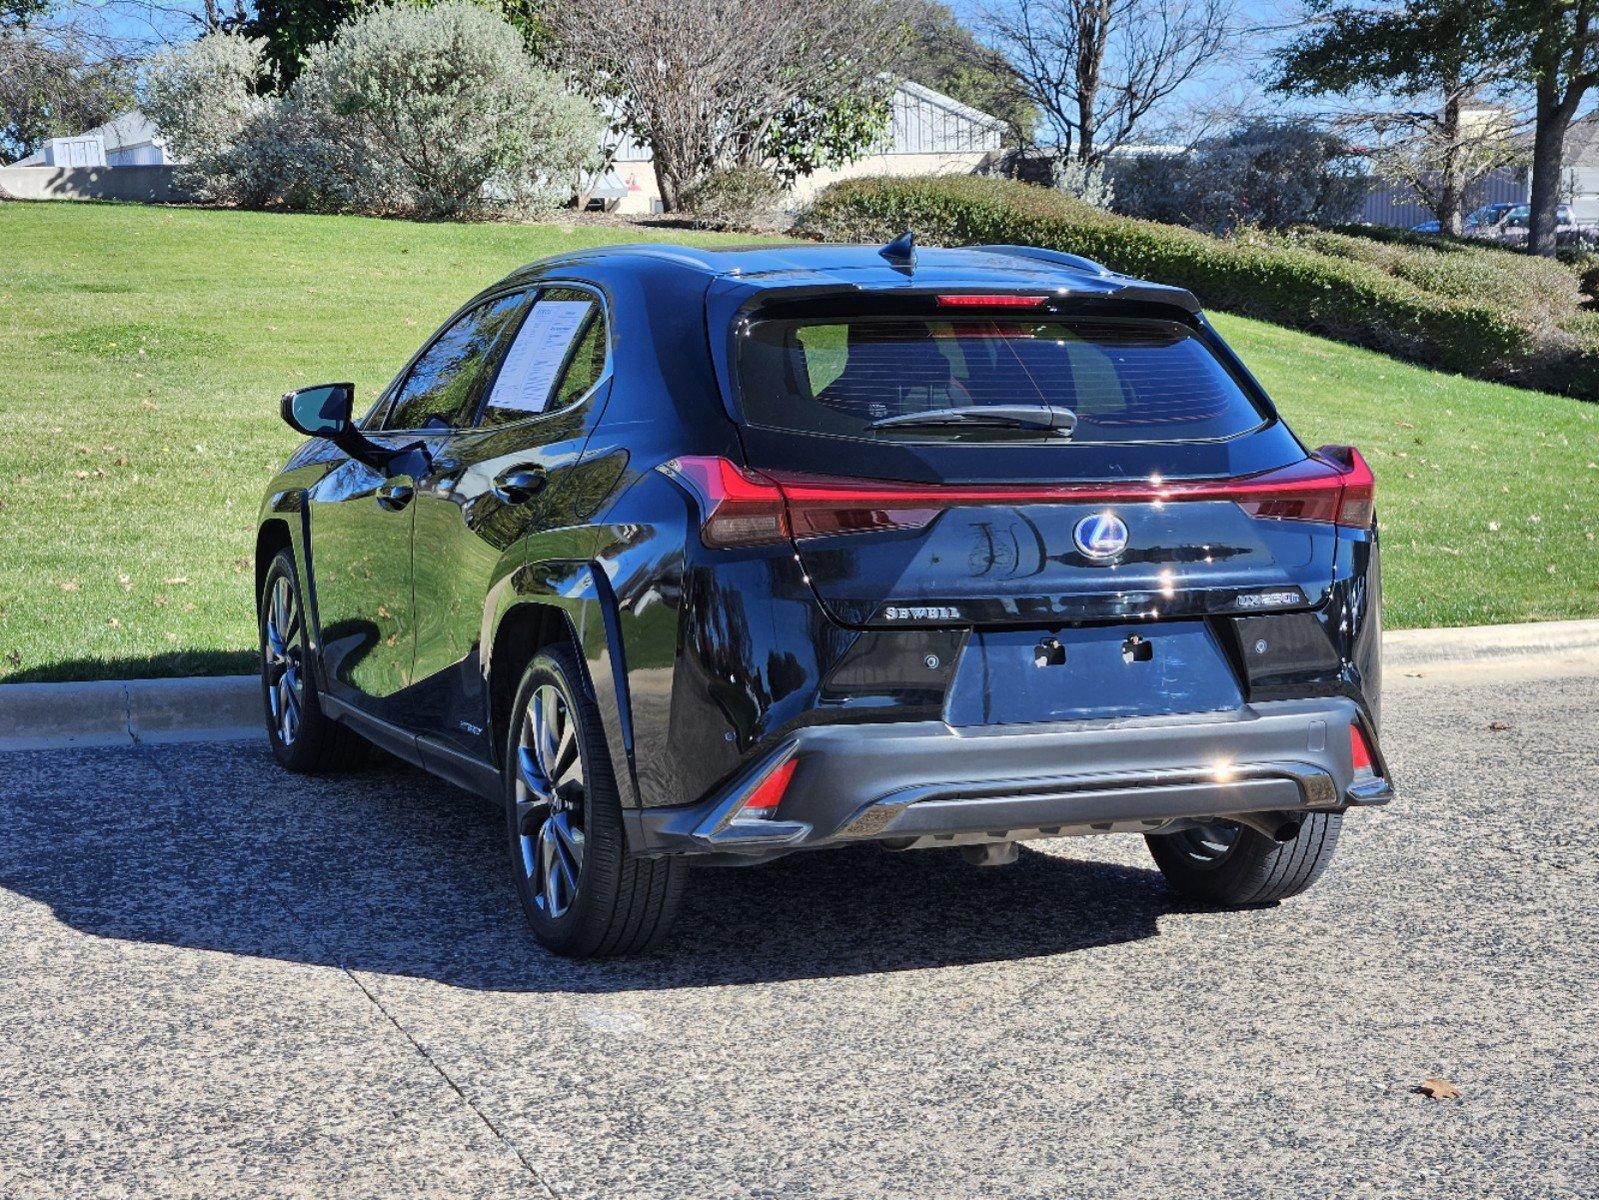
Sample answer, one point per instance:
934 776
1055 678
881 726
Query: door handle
395 494
516 485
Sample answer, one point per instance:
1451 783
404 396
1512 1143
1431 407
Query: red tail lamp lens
1358 503
737 507
741 507
1359 751
769 793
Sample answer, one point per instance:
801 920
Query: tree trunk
1451 184
1548 160
666 179
1092 28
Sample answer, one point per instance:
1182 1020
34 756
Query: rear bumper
927 783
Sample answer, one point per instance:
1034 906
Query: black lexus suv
723 554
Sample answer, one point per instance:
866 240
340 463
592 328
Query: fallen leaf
1438 1089
1493 526
113 623
71 585
1498 726
178 580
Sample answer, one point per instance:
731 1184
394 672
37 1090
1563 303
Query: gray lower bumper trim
927 780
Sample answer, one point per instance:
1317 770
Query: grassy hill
142 352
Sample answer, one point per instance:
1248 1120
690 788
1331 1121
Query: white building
928 133
130 140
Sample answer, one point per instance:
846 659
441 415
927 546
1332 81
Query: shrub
1267 173
447 101
422 111
1586 264
1087 182
203 97
1291 279
734 197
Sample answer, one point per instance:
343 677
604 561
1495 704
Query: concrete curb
54 716
57 716
1476 643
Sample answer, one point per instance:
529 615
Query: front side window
557 357
1123 379
437 390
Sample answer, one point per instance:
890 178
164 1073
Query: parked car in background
1511 225
690 555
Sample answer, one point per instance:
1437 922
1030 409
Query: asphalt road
218 980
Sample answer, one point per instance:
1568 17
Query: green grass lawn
142 352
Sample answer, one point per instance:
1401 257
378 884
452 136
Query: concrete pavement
218 980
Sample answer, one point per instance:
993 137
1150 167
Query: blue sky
1231 76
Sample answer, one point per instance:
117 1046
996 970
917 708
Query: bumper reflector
768 794
1359 750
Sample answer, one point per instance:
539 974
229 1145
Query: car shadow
391 871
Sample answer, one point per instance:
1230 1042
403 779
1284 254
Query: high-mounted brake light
740 507
989 300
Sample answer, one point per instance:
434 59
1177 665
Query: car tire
581 891
1229 864
303 738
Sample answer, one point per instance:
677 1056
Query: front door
362 516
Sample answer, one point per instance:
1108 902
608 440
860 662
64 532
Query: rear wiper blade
1047 417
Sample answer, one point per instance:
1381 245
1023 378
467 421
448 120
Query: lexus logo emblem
1103 535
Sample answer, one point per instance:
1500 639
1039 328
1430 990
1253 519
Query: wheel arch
523 629
271 539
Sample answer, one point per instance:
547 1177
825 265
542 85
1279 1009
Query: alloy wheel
550 801
283 663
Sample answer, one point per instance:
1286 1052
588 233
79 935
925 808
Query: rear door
514 474
1132 471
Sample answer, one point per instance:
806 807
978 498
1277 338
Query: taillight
1358 503
737 507
741 507
1359 750
749 508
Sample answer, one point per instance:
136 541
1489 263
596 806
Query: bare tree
719 83
1443 156
1098 69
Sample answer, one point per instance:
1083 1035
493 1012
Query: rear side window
556 358
1126 380
439 385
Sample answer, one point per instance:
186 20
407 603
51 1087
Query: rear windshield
1125 380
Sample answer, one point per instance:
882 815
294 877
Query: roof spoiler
1133 289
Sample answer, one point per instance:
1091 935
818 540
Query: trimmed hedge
1482 312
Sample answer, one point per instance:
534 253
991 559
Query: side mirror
322 411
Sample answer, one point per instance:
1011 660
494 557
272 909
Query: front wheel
580 890
303 738
1222 862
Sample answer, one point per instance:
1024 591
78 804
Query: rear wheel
580 890
1222 862
303 738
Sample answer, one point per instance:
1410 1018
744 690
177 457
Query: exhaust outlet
1278 826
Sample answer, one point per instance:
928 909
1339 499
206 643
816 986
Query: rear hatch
1005 460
